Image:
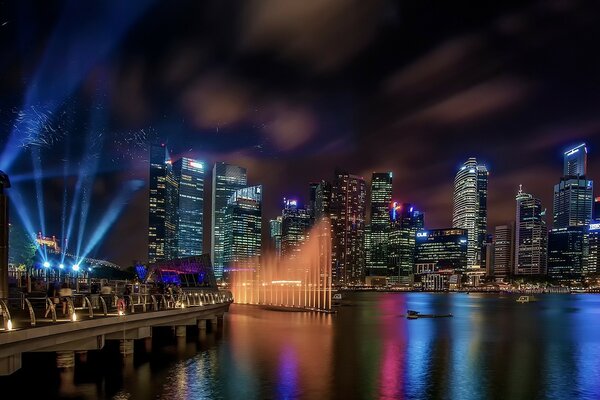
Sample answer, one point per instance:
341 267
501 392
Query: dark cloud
293 89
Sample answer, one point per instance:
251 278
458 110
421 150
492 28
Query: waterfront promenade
36 324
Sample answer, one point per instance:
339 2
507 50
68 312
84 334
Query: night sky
291 90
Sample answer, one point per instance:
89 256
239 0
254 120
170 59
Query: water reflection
493 348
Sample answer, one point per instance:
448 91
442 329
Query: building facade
470 207
275 236
295 225
574 194
566 252
243 227
157 211
592 265
189 214
444 248
379 227
348 210
504 251
531 236
405 222
226 180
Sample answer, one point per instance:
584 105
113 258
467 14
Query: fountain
300 282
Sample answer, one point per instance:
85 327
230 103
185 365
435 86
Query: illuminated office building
157 211
574 194
348 205
470 207
442 249
275 235
504 250
189 214
531 236
242 229
566 252
226 180
592 266
295 224
377 237
405 222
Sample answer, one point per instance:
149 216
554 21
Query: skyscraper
504 248
575 161
531 236
312 200
592 266
348 202
295 223
470 207
189 176
242 229
574 194
405 222
275 235
225 181
378 231
441 248
566 252
176 206
159 156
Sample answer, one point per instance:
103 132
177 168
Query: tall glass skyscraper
531 236
226 180
348 202
574 194
470 207
242 229
295 224
189 176
379 228
406 221
157 211
176 206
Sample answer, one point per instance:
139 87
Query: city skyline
286 117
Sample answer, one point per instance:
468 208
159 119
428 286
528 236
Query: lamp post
4 184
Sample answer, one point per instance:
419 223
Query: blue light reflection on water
493 348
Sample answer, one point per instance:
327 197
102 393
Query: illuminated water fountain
298 282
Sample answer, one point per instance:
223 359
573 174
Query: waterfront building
378 233
159 167
592 266
348 210
574 194
566 252
444 248
189 207
504 251
242 229
295 225
226 180
405 222
275 235
531 236
488 256
470 207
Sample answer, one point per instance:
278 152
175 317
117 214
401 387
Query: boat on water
411 314
526 299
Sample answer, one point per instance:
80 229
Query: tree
21 246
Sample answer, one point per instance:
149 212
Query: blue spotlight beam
85 34
94 143
19 205
37 170
111 215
